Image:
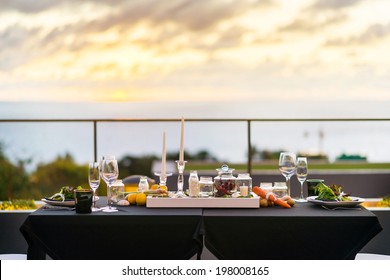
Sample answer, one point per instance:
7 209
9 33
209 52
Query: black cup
312 185
83 201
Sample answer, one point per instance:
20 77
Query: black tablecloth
134 232
305 231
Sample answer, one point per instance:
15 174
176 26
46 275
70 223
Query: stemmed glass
109 172
94 181
301 175
287 166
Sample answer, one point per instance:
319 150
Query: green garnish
65 193
332 193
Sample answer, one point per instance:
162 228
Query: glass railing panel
222 141
39 158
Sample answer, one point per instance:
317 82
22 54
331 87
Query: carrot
270 196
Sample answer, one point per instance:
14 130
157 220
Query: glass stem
93 198
288 185
109 196
301 197
180 180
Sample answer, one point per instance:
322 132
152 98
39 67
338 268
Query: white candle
244 190
181 155
163 158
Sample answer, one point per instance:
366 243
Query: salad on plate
333 196
331 193
66 193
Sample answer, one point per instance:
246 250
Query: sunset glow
153 50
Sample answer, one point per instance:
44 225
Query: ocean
42 142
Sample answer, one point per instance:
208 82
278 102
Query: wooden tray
211 202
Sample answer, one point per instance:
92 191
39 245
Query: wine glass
301 175
94 181
287 166
109 172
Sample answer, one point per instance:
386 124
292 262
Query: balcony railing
247 121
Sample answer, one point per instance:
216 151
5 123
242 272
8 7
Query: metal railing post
95 140
249 162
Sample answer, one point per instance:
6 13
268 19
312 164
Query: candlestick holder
163 179
180 178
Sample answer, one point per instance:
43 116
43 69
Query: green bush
13 179
63 171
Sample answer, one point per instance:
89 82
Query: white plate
62 203
355 201
58 203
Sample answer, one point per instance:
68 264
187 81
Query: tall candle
163 158
181 155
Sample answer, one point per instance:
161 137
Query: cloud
12 39
169 41
150 38
203 14
166 23
30 6
194 15
310 23
333 4
27 6
372 34
319 16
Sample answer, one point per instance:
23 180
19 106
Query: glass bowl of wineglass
287 164
109 171
94 181
301 171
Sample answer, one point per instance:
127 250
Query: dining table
302 232
305 231
133 232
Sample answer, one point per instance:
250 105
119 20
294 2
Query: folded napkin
54 197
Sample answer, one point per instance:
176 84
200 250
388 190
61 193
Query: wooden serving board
211 202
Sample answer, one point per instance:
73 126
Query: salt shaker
143 184
206 186
117 192
193 183
280 189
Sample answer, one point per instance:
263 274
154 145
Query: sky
190 51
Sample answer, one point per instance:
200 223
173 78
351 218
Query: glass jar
193 184
206 186
116 192
280 189
225 182
267 186
143 184
244 184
